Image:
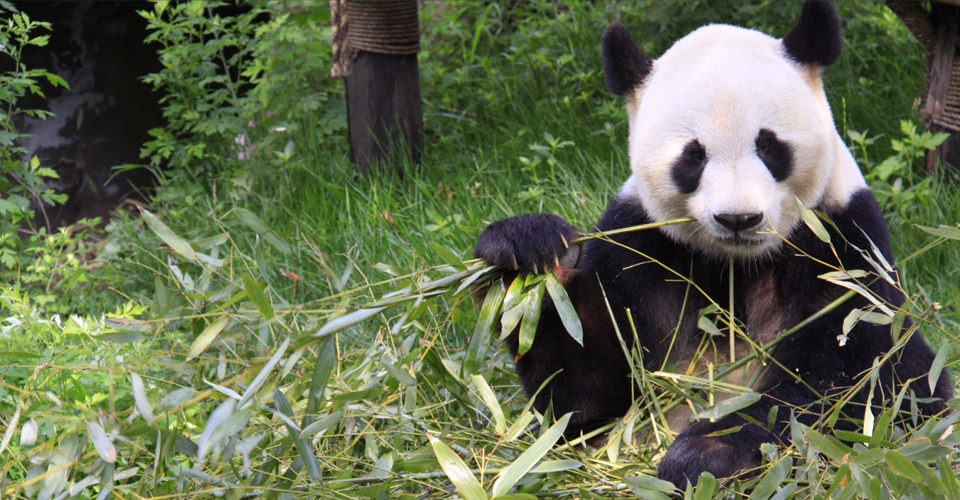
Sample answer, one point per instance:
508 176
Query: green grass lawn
188 364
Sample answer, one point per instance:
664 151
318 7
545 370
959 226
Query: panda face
727 129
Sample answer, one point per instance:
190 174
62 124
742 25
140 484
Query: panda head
728 126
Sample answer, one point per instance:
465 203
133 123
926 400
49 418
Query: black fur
688 168
816 38
625 65
776 154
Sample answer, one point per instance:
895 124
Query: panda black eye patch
775 154
688 167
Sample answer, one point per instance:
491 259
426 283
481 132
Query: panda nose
738 222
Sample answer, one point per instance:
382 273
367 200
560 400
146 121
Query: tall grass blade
529 458
457 471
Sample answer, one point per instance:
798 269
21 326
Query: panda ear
816 38
624 65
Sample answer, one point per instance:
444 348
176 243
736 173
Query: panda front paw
528 243
696 451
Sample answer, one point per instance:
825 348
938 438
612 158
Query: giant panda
728 127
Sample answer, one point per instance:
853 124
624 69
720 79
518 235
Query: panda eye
688 167
774 153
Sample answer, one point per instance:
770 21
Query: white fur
720 85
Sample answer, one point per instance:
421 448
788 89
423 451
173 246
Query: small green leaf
457 471
566 311
812 221
203 340
528 459
256 295
326 361
176 243
306 451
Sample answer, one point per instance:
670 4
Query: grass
237 397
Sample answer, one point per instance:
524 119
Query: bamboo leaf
901 465
303 447
256 295
11 428
489 399
548 466
773 477
936 368
321 424
401 375
326 361
948 232
566 311
476 353
826 445
447 256
176 243
475 277
209 333
261 377
457 471
347 320
509 320
531 304
812 221
140 398
731 405
514 293
102 443
529 458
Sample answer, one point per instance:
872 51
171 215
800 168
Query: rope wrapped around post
377 26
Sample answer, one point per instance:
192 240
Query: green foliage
899 182
22 183
236 76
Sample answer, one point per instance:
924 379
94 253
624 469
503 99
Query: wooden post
378 57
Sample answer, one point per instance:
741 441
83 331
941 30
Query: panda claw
564 240
556 261
535 270
516 266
